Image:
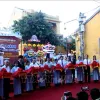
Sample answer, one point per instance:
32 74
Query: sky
66 10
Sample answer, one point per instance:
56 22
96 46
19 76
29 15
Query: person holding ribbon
79 69
87 62
41 78
47 67
95 67
17 81
5 81
68 72
29 81
57 69
62 62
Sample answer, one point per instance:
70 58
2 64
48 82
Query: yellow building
91 36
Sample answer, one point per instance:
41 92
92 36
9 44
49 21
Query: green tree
36 24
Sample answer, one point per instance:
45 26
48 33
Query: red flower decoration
47 68
94 64
70 66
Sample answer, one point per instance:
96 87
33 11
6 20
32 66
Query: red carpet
55 93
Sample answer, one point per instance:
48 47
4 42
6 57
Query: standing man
5 82
22 66
21 62
87 62
73 60
63 63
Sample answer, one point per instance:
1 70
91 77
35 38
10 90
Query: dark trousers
87 74
6 87
48 78
73 73
35 83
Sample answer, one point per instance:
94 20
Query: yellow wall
91 37
21 49
60 49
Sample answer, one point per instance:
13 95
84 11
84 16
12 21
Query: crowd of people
58 70
83 95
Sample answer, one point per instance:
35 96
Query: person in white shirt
95 69
48 62
62 62
5 82
41 63
68 73
79 70
29 81
87 62
27 65
17 81
56 74
41 77
55 62
34 64
6 66
47 73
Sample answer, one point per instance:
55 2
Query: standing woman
41 77
29 81
56 73
68 72
95 67
17 81
79 68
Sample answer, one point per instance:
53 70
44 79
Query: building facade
18 13
91 36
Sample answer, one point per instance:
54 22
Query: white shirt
7 68
14 69
34 65
85 61
42 65
62 62
54 63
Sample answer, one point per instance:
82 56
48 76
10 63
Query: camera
85 88
66 95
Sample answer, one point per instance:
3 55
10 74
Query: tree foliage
69 43
36 24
